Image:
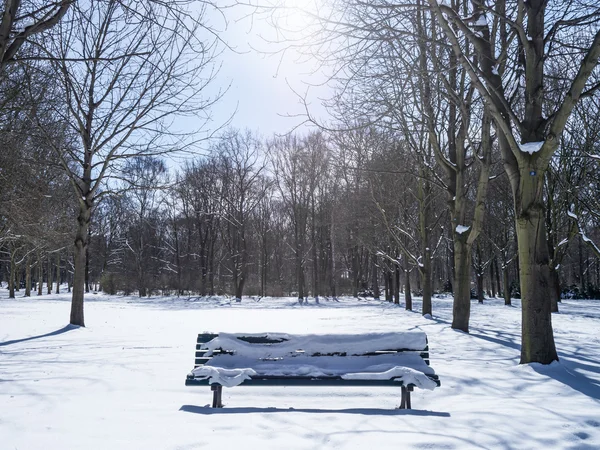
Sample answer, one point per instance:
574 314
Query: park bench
277 359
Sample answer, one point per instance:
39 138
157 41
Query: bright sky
261 83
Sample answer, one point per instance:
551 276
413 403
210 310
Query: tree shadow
205 410
39 336
568 372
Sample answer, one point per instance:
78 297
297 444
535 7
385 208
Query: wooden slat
306 381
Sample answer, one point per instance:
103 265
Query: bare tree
127 69
20 21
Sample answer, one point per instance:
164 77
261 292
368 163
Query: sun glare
298 16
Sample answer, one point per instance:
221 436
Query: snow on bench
278 359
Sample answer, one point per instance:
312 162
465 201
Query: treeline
310 216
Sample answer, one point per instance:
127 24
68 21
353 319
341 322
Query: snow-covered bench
277 359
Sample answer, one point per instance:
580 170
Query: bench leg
405 401
217 396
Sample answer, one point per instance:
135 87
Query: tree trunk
80 256
427 282
11 278
57 273
239 288
492 279
554 289
537 335
462 285
49 275
497 276
407 293
506 285
40 277
397 284
28 276
19 277
386 280
355 272
300 273
375 279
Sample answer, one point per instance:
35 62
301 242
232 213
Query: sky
262 84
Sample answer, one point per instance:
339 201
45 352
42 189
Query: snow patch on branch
531 147
460 229
588 241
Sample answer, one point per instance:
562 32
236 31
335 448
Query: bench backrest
279 345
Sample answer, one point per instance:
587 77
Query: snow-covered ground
119 383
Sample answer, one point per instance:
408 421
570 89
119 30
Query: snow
460 229
590 242
572 215
531 147
406 374
224 377
119 383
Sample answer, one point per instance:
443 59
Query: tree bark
57 273
80 256
554 289
396 284
40 277
375 279
537 335
49 275
462 285
407 292
506 285
28 276
11 278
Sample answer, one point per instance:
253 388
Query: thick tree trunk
80 256
239 288
537 335
462 285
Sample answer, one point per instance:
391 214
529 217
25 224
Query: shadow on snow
39 336
205 410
